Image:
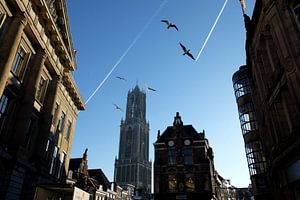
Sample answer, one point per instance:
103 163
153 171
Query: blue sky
201 91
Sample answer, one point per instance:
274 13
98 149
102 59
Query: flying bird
186 51
117 107
169 24
121 78
151 89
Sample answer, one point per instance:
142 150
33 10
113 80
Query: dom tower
133 166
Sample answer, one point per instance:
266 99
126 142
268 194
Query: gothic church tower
132 165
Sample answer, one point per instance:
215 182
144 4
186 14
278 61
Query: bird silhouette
117 107
169 24
186 51
150 88
121 78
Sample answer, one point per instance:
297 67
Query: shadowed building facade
132 165
267 91
183 164
39 100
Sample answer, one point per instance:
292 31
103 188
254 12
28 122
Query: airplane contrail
128 49
211 30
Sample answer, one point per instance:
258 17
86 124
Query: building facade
39 100
183 164
267 91
132 165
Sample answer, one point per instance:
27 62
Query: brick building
183 164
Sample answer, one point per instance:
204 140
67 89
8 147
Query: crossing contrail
128 49
211 30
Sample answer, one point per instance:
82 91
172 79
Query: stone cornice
69 83
61 61
65 57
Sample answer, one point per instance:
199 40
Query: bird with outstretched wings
169 24
117 107
186 51
121 78
150 88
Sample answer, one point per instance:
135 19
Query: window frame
2 19
61 122
53 159
68 129
189 177
3 105
172 156
188 155
172 183
61 160
296 8
255 157
19 67
41 90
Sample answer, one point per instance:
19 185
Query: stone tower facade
132 165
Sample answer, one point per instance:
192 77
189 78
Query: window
61 164
68 133
18 66
2 19
241 85
32 126
3 105
70 174
55 112
54 155
41 90
188 156
3 109
297 11
255 157
172 156
247 118
61 122
172 183
189 182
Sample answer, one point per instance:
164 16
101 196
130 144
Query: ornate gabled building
132 165
267 91
39 100
183 164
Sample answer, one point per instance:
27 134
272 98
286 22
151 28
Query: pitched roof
98 175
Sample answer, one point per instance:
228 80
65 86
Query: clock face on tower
171 143
187 142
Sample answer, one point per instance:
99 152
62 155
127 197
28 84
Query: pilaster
47 113
28 99
9 47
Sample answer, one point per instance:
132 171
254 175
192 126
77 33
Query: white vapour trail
211 30
128 49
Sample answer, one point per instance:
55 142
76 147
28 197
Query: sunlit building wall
39 100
